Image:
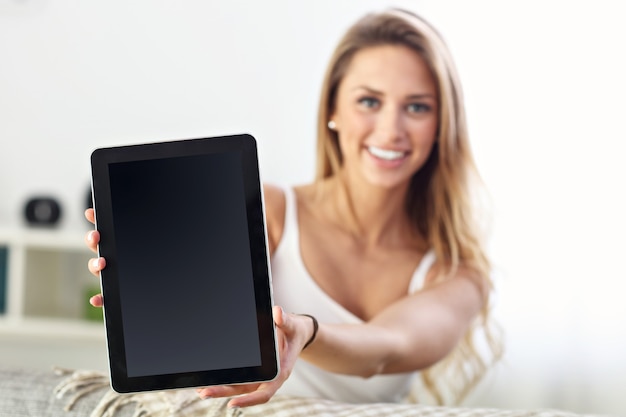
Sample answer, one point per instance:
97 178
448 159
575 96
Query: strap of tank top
290 208
290 224
419 276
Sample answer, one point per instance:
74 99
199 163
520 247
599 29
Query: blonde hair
438 201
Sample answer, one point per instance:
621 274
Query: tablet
187 286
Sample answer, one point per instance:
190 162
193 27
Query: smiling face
386 115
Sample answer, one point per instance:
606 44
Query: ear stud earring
332 125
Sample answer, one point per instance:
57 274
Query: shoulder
275 205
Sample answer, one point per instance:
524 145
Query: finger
219 391
96 265
283 320
92 239
89 215
96 300
279 315
260 396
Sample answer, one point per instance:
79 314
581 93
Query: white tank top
297 292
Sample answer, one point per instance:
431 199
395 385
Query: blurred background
544 87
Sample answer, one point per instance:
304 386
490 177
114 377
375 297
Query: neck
374 215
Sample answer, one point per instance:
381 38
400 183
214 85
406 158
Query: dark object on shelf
88 199
4 267
42 211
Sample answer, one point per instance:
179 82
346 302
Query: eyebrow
380 93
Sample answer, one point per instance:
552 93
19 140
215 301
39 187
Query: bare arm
411 334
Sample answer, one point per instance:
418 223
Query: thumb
283 319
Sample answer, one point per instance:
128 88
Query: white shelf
52 328
44 238
47 286
44 323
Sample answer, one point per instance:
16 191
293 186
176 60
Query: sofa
85 393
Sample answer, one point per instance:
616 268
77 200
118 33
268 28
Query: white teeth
386 154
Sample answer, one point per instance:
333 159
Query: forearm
353 349
370 349
412 334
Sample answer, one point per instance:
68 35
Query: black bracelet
316 326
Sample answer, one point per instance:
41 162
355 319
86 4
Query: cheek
356 123
353 130
425 134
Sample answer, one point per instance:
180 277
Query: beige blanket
186 403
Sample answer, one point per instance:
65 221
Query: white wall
544 91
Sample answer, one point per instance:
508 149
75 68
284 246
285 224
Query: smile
386 154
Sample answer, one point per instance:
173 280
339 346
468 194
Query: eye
369 102
419 108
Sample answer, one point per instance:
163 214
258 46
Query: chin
389 182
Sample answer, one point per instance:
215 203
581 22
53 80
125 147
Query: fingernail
206 394
90 237
96 263
202 394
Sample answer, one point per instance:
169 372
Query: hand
95 264
292 332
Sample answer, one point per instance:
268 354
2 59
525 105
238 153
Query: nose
390 125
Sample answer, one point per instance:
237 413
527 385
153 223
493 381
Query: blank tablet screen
181 250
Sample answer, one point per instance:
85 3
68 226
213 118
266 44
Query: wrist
314 332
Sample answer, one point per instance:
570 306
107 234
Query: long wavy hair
438 202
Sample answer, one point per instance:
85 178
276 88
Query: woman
380 251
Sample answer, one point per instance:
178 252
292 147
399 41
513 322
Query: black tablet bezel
245 144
